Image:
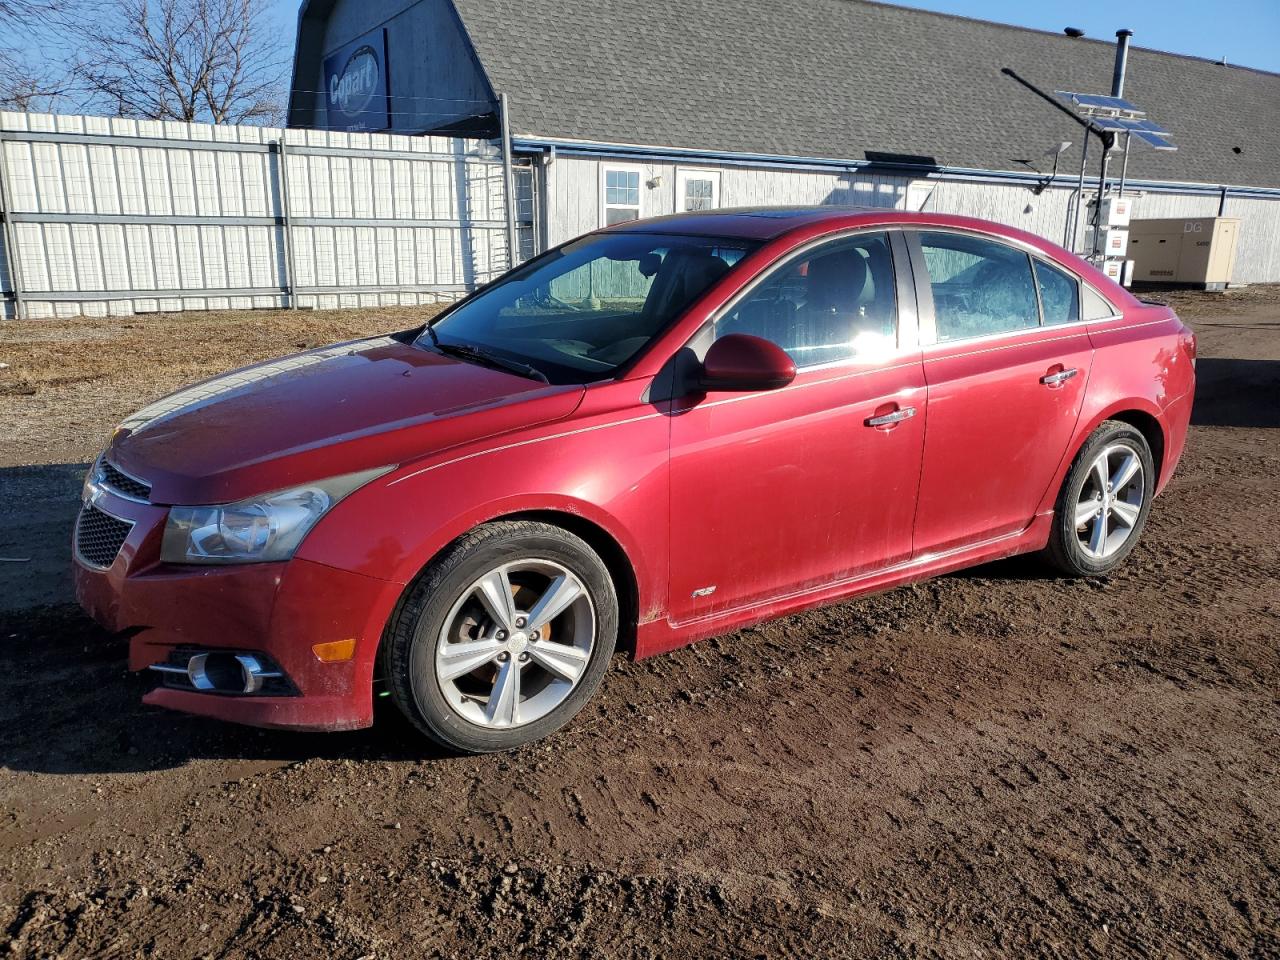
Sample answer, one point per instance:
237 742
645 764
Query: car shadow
69 705
38 506
1019 568
1237 393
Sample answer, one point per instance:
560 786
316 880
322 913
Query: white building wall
574 202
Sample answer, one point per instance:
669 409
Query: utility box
1110 242
1121 271
1117 211
1199 252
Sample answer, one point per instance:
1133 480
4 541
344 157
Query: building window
697 190
620 187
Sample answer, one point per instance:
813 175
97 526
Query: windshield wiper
478 355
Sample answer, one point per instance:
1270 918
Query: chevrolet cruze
661 431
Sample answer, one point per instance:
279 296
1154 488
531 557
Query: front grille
117 479
99 536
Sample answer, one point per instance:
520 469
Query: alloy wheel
516 643
1110 501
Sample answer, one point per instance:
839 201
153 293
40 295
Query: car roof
753 223
768 223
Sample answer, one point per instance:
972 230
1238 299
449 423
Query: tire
547 649
1085 549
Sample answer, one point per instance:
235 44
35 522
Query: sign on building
355 84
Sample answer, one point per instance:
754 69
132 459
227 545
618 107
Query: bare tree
210 60
26 15
23 87
24 84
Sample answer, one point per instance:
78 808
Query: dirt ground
995 763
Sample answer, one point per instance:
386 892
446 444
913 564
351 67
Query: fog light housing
224 672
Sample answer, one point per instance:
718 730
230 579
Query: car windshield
583 310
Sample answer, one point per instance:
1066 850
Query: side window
620 194
1059 294
1096 307
980 287
835 302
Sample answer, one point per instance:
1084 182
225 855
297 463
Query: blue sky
1246 32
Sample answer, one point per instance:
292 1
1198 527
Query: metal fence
118 216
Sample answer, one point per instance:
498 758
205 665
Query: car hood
353 406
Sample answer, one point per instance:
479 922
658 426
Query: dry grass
68 382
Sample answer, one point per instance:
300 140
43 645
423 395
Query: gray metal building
620 109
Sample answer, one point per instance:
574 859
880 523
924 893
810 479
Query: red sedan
657 432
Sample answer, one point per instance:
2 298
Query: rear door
777 492
1006 361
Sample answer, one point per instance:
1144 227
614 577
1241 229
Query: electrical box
1115 243
1111 243
1121 271
1116 211
1199 252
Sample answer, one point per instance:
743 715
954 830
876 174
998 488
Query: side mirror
739 361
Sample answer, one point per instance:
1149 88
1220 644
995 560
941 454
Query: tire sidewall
1068 545
420 694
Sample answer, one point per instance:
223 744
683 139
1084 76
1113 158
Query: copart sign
355 84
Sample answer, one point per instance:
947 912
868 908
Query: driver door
776 493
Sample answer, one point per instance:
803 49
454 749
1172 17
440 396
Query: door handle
889 419
1058 378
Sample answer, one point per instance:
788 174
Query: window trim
684 174
602 196
929 341
905 297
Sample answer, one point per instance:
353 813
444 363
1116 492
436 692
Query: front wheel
504 638
1104 502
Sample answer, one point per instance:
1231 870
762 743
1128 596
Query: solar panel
1112 124
1148 132
1118 115
1155 140
1148 125
1096 101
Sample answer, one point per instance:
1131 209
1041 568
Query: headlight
92 480
257 530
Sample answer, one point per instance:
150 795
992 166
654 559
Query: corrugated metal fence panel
114 215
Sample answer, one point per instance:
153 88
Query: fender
1085 427
571 467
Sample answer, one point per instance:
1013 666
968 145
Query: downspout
509 185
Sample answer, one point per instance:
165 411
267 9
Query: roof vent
1073 32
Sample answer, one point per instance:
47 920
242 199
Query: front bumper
279 609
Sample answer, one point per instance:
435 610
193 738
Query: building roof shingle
838 78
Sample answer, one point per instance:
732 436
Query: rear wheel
504 638
1104 502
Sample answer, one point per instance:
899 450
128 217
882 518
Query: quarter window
980 287
833 303
621 200
1059 294
1095 307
